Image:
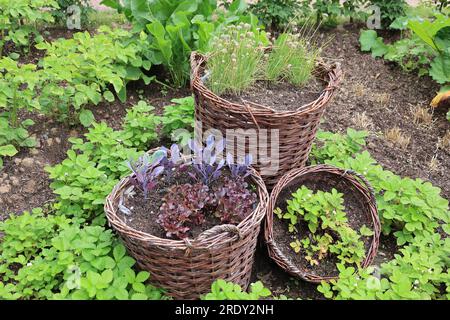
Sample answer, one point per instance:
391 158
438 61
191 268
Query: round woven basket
187 268
344 181
296 129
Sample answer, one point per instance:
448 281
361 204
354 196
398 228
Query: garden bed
374 96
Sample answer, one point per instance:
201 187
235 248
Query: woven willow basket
297 129
345 181
187 268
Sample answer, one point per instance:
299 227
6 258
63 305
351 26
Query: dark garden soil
378 96
280 96
375 96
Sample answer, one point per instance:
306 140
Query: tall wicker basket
186 268
296 129
340 179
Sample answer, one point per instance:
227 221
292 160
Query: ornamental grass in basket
190 219
272 90
244 64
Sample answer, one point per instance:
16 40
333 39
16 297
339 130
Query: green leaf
370 42
86 117
139 296
142 276
440 69
109 96
119 252
8 150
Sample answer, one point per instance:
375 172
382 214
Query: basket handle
196 62
216 230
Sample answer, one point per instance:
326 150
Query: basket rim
223 237
361 185
333 72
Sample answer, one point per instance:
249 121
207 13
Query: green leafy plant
81 71
390 10
334 145
223 290
178 120
19 20
424 48
140 123
277 14
327 9
175 29
14 96
418 272
436 34
50 257
60 15
407 207
326 219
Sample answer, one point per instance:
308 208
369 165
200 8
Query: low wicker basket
297 129
186 268
340 179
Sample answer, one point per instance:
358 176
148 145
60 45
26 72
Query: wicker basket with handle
186 268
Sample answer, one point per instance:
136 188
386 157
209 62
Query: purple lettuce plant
234 200
239 169
183 206
146 169
204 165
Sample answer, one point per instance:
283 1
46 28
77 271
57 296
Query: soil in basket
145 211
280 96
355 216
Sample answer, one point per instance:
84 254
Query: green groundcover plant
410 210
19 20
86 70
14 96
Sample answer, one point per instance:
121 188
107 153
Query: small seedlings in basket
330 232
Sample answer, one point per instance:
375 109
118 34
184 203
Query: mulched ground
375 96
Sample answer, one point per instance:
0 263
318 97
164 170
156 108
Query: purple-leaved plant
146 169
234 200
239 169
182 206
204 163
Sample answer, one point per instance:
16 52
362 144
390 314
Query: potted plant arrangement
190 220
320 218
249 81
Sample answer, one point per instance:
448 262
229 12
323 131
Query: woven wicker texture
343 181
186 268
297 129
